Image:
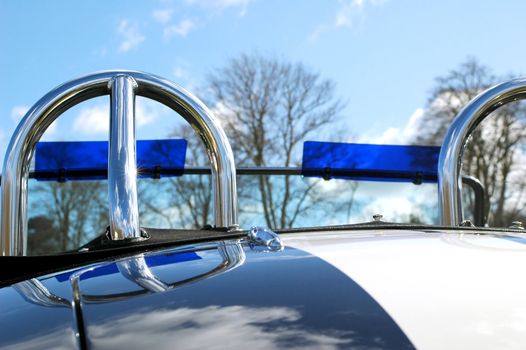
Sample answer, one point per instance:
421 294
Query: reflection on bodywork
136 270
54 340
35 292
267 302
217 327
33 316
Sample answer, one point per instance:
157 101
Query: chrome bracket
264 239
517 225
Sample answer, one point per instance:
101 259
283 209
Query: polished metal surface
263 238
122 160
517 225
15 171
450 159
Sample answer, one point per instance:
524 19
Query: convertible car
371 285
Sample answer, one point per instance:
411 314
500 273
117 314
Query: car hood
379 288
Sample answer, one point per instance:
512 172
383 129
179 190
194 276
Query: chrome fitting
265 238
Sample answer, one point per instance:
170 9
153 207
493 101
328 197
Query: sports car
370 285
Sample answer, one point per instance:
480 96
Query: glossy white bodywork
446 290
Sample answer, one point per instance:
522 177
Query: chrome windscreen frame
122 86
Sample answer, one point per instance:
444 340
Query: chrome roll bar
122 160
450 159
123 86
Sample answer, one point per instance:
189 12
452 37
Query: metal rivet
378 217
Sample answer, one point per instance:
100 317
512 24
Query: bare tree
490 154
269 107
77 209
43 236
184 201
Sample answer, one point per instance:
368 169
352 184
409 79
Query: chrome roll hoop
450 159
122 86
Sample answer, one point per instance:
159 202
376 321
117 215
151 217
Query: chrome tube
13 229
479 213
450 159
122 161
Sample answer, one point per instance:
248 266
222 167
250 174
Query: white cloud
17 112
179 72
318 32
244 327
162 15
100 52
95 120
92 120
398 209
185 26
219 5
448 100
407 134
181 29
351 9
347 12
398 136
182 74
130 35
147 111
51 131
396 201
346 16
224 113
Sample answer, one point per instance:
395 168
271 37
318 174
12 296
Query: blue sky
382 54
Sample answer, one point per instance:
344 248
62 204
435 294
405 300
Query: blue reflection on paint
151 261
370 162
516 239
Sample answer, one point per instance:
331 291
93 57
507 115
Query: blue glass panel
88 160
370 162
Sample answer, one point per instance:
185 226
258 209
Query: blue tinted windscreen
370 162
88 160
